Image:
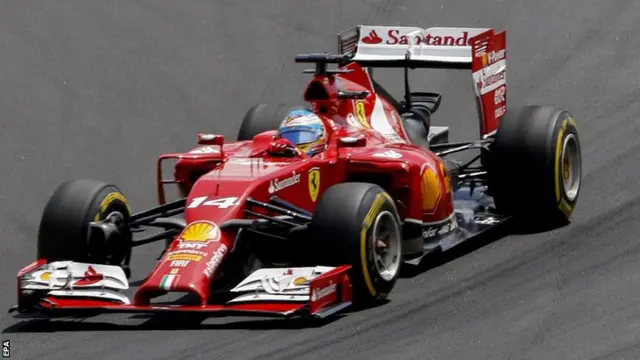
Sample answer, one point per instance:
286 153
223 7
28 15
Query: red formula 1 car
290 234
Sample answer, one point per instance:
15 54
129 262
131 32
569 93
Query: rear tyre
535 164
64 226
357 224
261 118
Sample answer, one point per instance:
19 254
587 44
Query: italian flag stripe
168 281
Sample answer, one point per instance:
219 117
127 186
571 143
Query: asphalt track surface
99 88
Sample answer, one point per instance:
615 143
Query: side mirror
352 142
210 139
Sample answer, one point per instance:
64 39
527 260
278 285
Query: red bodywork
366 140
244 169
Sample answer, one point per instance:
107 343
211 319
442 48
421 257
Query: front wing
65 288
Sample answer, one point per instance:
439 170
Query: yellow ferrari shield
362 114
314 183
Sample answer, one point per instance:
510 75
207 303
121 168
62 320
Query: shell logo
447 179
430 189
201 231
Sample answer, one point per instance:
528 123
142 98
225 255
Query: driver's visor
299 135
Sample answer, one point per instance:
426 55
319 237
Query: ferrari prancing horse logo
361 113
314 183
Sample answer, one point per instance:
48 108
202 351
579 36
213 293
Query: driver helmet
305 130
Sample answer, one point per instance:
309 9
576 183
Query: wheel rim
571 167
386 245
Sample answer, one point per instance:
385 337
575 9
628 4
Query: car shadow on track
163 323
439 258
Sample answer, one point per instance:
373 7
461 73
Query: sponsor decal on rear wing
444 45
480 50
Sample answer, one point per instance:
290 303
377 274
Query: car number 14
222 203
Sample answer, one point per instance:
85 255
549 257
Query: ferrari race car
297 235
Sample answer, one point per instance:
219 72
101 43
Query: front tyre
64 226
357 224
535 164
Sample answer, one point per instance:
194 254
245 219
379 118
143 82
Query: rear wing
477 49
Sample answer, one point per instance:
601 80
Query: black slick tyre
535 164
261 118
64 226
357 224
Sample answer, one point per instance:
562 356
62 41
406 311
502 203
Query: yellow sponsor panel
201 231
430 189
189 257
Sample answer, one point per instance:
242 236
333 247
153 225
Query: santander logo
372 38
90 277
393 37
